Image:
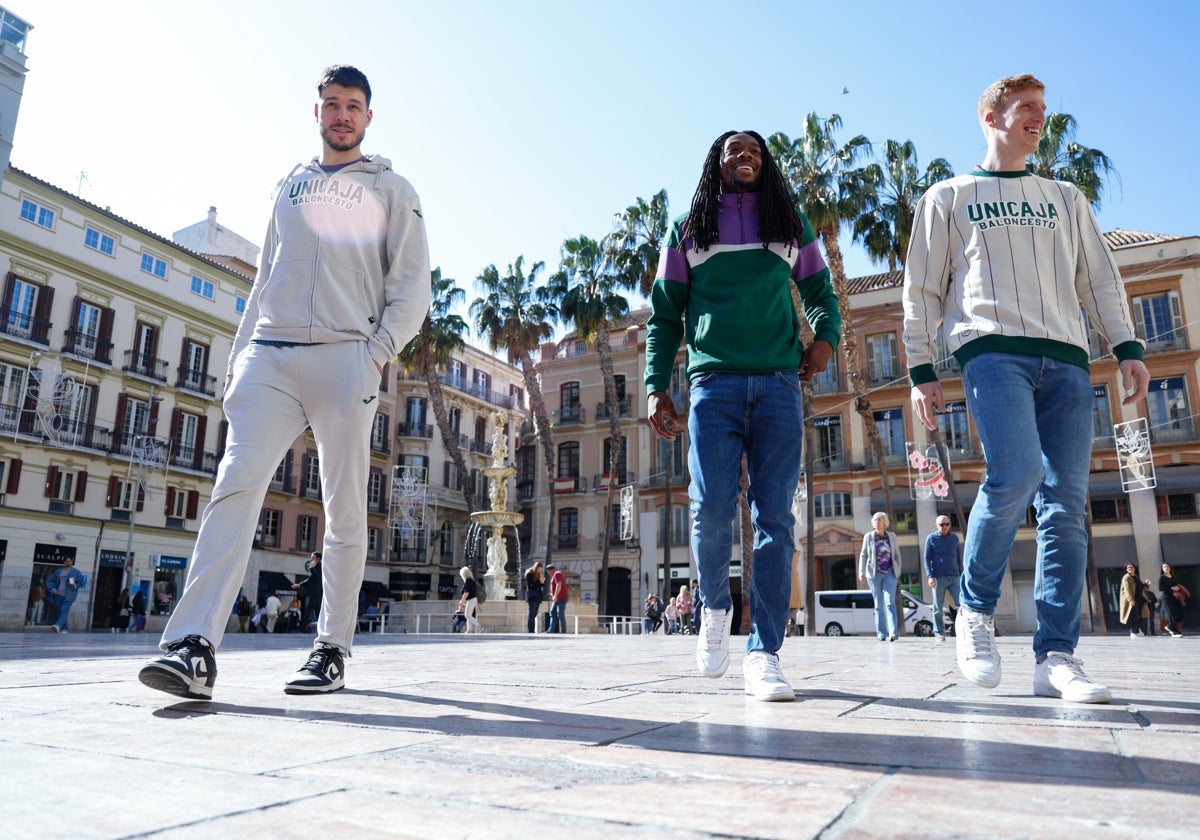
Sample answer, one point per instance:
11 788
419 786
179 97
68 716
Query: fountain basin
497 518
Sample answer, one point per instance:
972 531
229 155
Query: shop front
170 573
41 611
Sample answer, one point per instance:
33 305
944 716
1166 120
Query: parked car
843 612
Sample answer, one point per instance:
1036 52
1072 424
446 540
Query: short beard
337 146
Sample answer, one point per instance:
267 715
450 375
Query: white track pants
275 393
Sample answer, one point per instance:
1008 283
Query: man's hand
925 397
815 359
661 412
1135 379
932 582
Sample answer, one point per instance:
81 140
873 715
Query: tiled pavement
594 737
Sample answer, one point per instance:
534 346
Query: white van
841 612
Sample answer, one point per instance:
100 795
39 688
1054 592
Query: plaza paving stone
594 737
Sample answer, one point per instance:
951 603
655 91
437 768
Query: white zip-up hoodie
345 259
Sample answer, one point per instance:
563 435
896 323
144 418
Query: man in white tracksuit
344 285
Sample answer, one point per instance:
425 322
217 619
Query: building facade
1162 276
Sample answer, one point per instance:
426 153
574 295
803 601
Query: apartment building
1162 275
431 536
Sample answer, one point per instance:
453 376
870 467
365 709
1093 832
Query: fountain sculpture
498 517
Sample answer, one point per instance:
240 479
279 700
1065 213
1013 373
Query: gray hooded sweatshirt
345 259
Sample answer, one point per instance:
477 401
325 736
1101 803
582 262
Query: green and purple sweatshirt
733 302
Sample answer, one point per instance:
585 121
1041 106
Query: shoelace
979 639
713 630
189 646
1075 666
765 668
318 660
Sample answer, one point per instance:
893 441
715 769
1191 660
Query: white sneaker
1140 633
974 636
764 680
1061 675
1132 634
712 645
940 637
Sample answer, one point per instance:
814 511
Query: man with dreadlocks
724 282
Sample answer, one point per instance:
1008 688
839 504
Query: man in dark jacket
312 590
943 567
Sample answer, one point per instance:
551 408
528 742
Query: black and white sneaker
324 671
187 669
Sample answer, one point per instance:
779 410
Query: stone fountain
498 517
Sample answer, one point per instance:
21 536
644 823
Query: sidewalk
446 736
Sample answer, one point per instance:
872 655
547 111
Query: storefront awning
274 583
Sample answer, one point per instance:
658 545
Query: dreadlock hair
777 218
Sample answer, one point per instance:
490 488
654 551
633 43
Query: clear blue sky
527 122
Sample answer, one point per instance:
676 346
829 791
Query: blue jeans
64 610
757 414
887 619
944 584
558 617
1034 416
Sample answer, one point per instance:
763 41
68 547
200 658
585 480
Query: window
1170 418
90 333
831 505
375 543
75 412
681 525
193 369
98 241
568 463
1158 320
268 528
829 455
1102 425
12 396
568 528
570 410
135 421
153 265
882 361
26 309
379 433
1109 510
202 287
239 305
375 492
143 358
829 380
1176 506
186 439
620 477
956 431
63 487
890 425
120 493
176 505
446 544
36 213
454 417
306 533
312 475
457 374
483 383
945 365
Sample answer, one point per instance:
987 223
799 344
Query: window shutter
8 290
141 497
193 503
114 486
14 474
198 458
119 422
176 421
170 503
44 303
80 485
152 421
51 479
104 343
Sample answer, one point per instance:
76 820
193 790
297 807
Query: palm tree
1060 158
829 189
510 317
433 348
590 298
885 225
634 245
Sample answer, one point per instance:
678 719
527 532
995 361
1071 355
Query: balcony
614 541
190 458
1177 430
196 381
830 463
829 384
414 430
86 346
679 478
890 459
475 389
883 374
569 484
600 482
23 326
145 366
623 410
572 415
566 542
